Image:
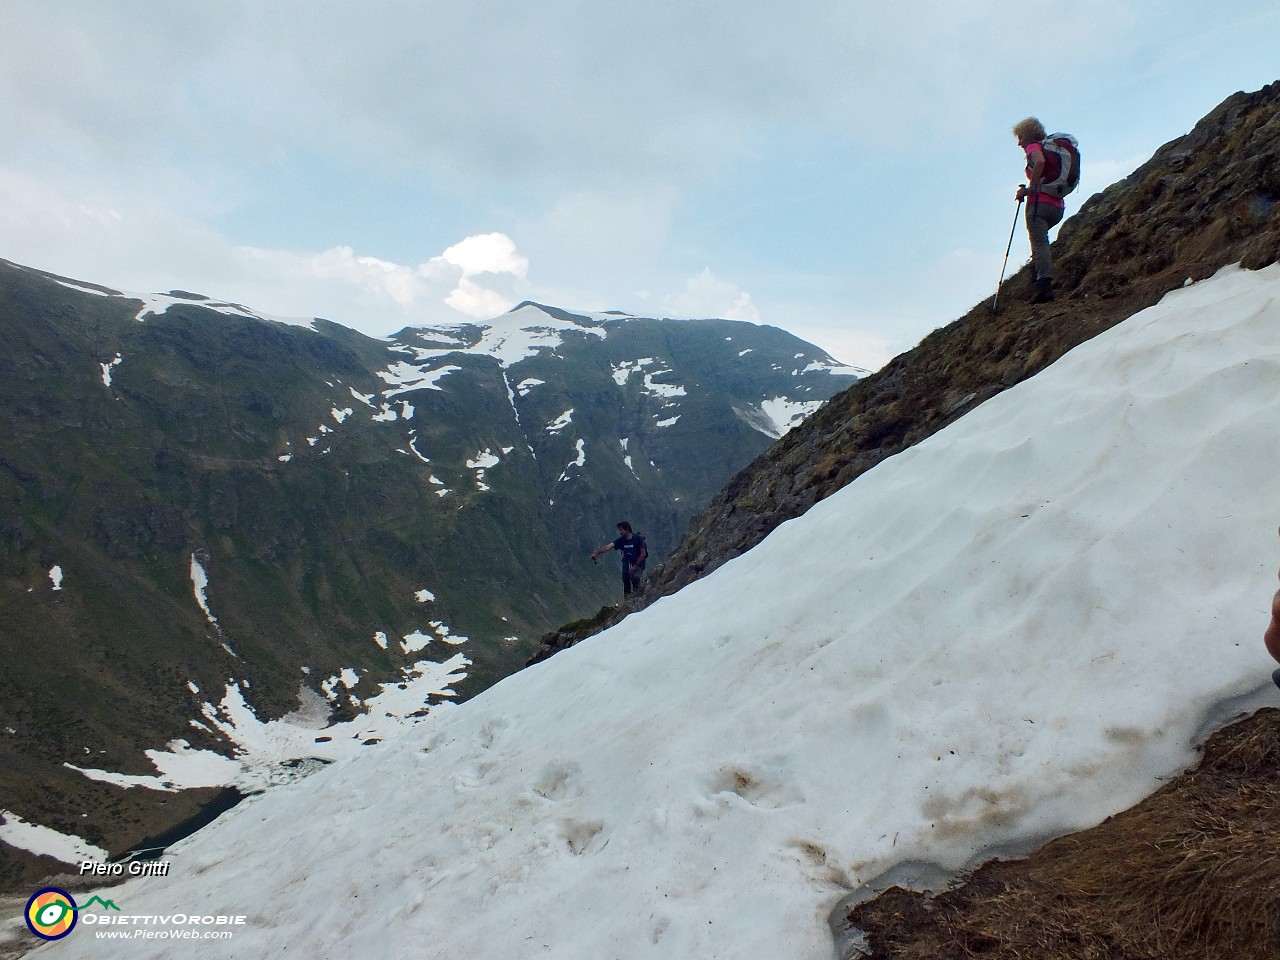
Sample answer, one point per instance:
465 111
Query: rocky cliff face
1203 201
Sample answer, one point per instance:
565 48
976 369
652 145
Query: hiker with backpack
1053 171
634 551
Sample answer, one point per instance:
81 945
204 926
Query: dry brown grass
1191 872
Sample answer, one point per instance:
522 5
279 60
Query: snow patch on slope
524 332
779 415
560 422
405 377
108 367
200 586
158 304
482 461
44 841
277 751
579 461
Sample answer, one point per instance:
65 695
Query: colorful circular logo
51 913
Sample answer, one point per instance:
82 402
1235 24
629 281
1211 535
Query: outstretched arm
605 549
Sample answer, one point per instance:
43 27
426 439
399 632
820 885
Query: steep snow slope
1013 629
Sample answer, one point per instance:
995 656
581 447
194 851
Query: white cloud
706 295
402 285
410 293
492 254
486 253
476 301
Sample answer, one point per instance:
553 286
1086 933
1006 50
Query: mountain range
215 518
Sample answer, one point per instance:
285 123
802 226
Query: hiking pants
1041 218
630 581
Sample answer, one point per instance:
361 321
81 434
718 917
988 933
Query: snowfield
1014 629
514 336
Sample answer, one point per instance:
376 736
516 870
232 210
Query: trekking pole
996 299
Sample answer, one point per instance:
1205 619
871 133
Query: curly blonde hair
1029 130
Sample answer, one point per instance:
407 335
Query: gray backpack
1061 164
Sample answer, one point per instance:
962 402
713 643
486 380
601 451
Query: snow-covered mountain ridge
532 329
1013 629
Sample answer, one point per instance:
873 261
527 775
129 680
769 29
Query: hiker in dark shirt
632 547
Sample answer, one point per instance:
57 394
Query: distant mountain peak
582 319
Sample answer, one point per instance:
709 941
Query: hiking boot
1044 291
1276 677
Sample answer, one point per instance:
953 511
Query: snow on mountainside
227 526
512 337
521 333
1013 629
157 304
531 329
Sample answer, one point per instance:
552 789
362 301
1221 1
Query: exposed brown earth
1191 872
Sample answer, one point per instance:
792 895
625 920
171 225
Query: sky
842 170
872 694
